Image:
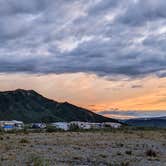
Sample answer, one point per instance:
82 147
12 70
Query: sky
105 55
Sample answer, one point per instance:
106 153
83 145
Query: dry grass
117 148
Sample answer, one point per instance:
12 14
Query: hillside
147 122
29 106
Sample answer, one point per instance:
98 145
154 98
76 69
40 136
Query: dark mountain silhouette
159 122
29 106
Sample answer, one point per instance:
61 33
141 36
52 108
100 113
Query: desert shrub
25 131
118 153
151 153
129 152
38 161
103 155
1 131
120 145
125 163
51 129
74 127
24 141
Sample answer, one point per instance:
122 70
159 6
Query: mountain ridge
30 106
159 122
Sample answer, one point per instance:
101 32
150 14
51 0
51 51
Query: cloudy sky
100 54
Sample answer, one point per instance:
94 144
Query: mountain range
159 122
29 106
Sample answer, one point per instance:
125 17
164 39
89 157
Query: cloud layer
105 37
134 114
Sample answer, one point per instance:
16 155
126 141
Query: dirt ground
117 148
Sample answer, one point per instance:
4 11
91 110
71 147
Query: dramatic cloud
105 37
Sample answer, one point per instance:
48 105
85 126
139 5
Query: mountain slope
29 106
147 122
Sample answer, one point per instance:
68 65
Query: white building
87 125
112 125
11 125
81 125
90 125
84 125
61 125
96 125
39 125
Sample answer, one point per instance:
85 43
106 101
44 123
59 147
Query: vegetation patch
24 141
151 153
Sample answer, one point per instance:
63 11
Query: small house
112 125
61 125
11 125
39 125
81 125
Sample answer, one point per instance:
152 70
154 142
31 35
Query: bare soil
99 148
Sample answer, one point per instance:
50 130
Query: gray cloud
140 12
103 37
134 114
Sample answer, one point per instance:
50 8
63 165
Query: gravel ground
117 148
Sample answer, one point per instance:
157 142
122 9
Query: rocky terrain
111 148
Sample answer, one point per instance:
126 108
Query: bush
125 163
151 153
51 129
74 127
24 141
38 161
129 152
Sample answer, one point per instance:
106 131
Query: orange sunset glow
92 92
